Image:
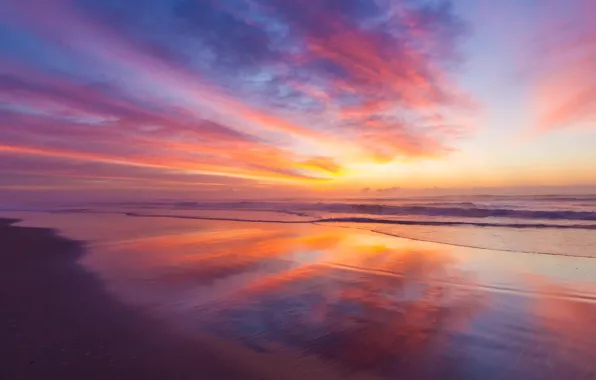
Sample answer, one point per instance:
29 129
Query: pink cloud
382 98
564 83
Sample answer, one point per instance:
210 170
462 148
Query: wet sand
57 322
181 298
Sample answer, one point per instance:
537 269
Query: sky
111 99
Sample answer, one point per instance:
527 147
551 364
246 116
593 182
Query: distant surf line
376 221
457 223
356 220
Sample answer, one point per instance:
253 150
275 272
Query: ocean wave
585 198
463 210
457 223
468 212
361 220
459 210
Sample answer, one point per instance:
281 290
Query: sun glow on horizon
408 94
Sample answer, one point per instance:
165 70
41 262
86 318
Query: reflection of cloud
566 322
366 306
264 90
203 257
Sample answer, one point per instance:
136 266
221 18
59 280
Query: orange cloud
295 111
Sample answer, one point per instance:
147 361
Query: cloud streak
254 91
564 82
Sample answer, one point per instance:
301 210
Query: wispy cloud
258 90
564 81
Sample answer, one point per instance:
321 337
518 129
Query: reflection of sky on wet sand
363 319
353 298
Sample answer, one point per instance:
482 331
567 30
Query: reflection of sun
369 303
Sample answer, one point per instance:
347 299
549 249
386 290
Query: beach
58 321
111 295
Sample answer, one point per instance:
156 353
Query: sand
57 321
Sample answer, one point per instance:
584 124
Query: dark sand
57 321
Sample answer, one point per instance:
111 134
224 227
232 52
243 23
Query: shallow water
353 299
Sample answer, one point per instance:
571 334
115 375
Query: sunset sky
113 99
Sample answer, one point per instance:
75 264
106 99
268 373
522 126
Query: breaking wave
463 210
377 221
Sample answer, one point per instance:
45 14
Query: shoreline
59 321
63 320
